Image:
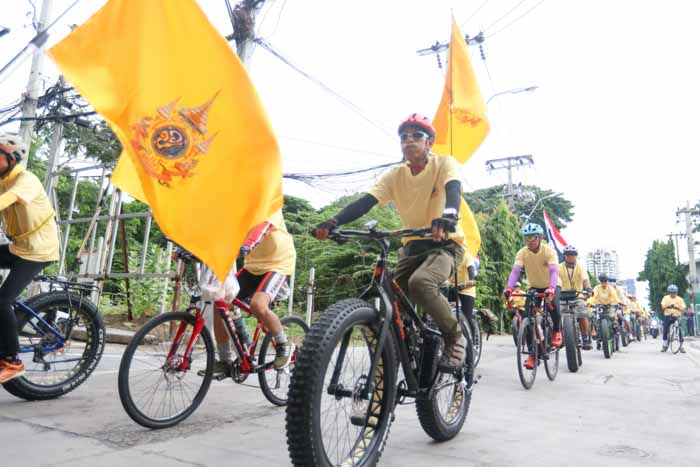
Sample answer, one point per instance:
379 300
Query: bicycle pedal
221 376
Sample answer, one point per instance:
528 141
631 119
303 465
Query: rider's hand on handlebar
507 293
441 226
324 228
549 293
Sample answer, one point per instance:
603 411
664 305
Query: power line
340 148
474 14
504 16
517 19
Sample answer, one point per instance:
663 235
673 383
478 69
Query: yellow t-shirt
622 295
30 221
678 302
572 278
463 274
605 296
518 302
537 265
419 198
275 253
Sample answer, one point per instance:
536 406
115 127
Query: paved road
640 408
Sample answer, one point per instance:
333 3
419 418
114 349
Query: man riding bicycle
426 191
517 304
625 310
605 294
574 279
31 228
541 267
672 305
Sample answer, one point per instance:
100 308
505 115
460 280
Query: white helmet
13 146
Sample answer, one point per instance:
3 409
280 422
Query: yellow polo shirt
604 296
275 253
28 216
419 198
572 278
518 302
678 302
536 265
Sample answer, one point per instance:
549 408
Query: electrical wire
501 18
339 148
516 19
474 14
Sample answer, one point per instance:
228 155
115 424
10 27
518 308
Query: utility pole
675 237
438 48
510 163
689 213
56 141
243 21
30 97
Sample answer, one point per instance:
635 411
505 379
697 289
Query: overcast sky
612 124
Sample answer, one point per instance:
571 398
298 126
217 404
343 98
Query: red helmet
419 121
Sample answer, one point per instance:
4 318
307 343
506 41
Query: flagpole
451 70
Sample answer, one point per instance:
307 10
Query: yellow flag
460 121
198 146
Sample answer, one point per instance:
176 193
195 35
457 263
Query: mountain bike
64 333
450 292
535 338
605 329
344 389
573 343
159 384
636 327
675 340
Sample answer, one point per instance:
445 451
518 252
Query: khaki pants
426 266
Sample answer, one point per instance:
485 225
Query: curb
112 335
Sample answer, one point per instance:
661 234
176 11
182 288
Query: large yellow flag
460 122
198 147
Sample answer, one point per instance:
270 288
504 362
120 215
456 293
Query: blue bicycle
62 337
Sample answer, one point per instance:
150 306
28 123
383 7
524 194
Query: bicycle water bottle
241 328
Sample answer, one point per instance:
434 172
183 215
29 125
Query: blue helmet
672 288
532 229
612 278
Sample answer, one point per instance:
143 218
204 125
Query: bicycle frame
48 348
534 309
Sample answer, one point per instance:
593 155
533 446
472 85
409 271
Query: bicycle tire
428 406
605 338
624 335
551 362
514 330
526 332
305 433
674 342
148 337
45 304
281 376
570 342
477 341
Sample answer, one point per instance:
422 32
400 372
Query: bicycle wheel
551 355
674 341
527 346
570 343
154 388
624 335
275 383
50 374
476 339
327 426
606 338
514 330
443 410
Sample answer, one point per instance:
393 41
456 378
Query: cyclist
541 266
624 315
466 290
31 228
517 304
269 258
574 278
672 305
425 190
636 312
605 294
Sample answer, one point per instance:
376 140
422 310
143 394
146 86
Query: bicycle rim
526 334
674 339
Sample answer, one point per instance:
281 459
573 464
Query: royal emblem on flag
169 143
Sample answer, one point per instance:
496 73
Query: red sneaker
530 362
556 339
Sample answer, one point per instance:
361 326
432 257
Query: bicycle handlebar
337 234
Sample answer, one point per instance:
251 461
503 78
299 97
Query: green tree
660 270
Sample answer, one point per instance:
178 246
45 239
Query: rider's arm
257 235
471 272
356 209
514 275
553 275
7 200
453 197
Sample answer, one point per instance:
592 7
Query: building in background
630 286
602 261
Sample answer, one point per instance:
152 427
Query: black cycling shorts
273 284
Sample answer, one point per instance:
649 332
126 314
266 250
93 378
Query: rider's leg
467 304
666 326
22 272
555 313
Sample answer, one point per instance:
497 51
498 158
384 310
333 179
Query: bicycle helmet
612 278
418 121
13 146
570 250
518 284
672 288
602 277
532 229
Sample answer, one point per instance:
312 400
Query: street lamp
552 195
513 91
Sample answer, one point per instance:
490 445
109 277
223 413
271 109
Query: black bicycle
64 333
606 330
535 339
344 389
573 342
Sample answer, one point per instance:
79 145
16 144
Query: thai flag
554 238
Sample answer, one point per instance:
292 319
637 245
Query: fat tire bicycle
344 389
172 358
573 343
535 338
64 333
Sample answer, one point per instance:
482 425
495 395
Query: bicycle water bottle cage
371 225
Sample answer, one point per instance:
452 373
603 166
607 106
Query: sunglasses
415 135
531 237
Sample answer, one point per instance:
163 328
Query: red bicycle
159 384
